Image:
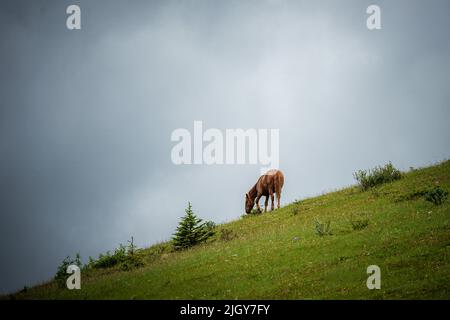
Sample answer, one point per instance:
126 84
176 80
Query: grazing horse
267 185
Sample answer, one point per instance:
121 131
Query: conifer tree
191 230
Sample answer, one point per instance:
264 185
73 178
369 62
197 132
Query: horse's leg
278 187
266 202
278 198
271 199
257 202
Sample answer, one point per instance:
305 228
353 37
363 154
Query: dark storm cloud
86 116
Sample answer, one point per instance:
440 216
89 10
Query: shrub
227 234
191 230
359 221
125 257
61 273
359 224
412 195
210 225
376 176
133 260
436 195
323 229
109 260
296 209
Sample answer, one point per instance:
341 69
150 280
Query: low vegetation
61 274
359 224
323 229
124 258
436 195
227 234
376 176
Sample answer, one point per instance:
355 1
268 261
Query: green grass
277 255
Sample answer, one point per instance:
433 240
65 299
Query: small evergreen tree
191 230
61 273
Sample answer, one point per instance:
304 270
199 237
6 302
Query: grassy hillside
278 255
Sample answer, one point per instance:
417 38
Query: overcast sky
86 115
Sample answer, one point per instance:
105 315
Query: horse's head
249 203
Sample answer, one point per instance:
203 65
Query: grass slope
277 255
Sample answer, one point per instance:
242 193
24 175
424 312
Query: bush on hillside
109 260
376 176
125 257
191 230
296 209
210 225
61 272
359 224
227 234
436 195
323 229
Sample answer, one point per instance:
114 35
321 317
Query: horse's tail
279 182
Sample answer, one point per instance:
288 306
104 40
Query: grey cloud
86 116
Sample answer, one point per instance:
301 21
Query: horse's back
271 172
274 178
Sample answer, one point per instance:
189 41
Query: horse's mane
252 193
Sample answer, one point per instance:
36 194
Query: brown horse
267 185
